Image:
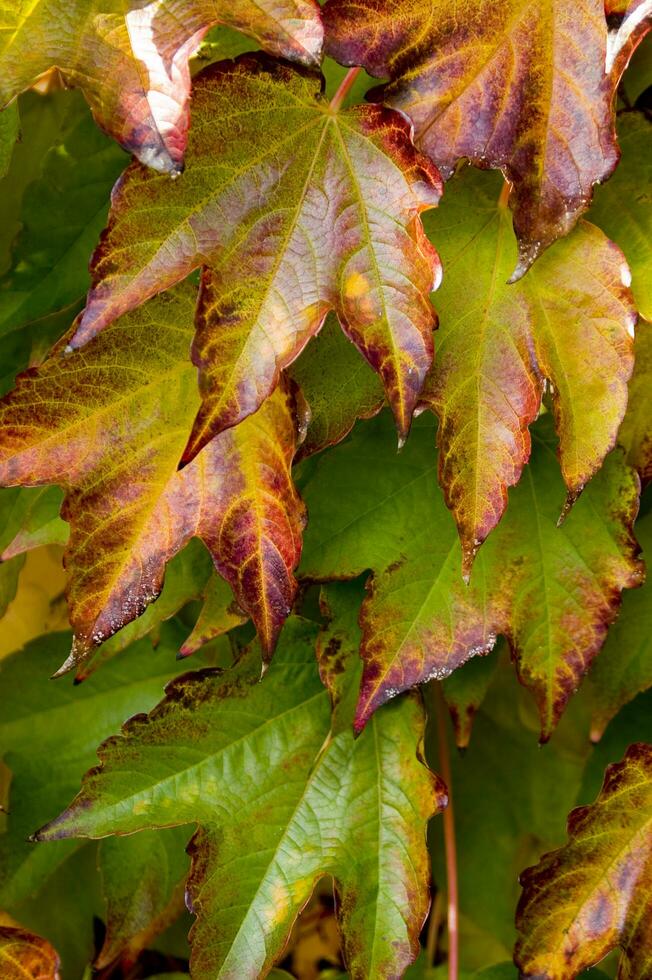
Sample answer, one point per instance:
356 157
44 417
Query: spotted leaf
24 955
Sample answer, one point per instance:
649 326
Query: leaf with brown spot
292 209
552 591
570 322
108 424
515 86
24 955
595 893
282 799
130 57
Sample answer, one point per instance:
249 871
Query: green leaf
66 723
338 385
623 207
464 691
333 224
62 214
551 591
636 431
279 803
624 666
30 519
219 614
567 326
9 128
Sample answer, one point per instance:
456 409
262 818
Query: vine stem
450 845
344 89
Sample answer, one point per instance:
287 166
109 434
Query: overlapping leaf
293 209
516 86
281 802
595 893
109 425
624 667
131 57
551 591
623 207
570 322
636 431
23 954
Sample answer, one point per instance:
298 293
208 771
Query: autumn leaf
296 812
552 591
519 87
636 431
569 324
293 209
624 666
24 955
118 415
593 894
130 57
623 207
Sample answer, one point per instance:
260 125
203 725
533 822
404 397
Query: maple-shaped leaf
519 87
275 796
636 431
24 956
570 322
595 893
293 209
623 207
108 425
130 57
552 591
624 667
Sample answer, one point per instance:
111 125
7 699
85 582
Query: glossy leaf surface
552 591
594 893
294 813
118 415
569 323
293 209
515 86
130 57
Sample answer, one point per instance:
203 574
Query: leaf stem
504 194
450 845
344 89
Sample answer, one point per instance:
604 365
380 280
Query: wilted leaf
594 894
515 86
338 385
623 207
624 666
304 805
293 209
636 431
570 321
24 956
118 416
130 57
551 591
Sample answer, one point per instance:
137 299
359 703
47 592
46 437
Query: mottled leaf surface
515 86
552 591
108 424
293 210
636 431
24 955
569 322
594 894
623 207
301 807
624 666
130 57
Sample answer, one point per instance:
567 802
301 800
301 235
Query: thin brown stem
504 194
344 89
450 846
